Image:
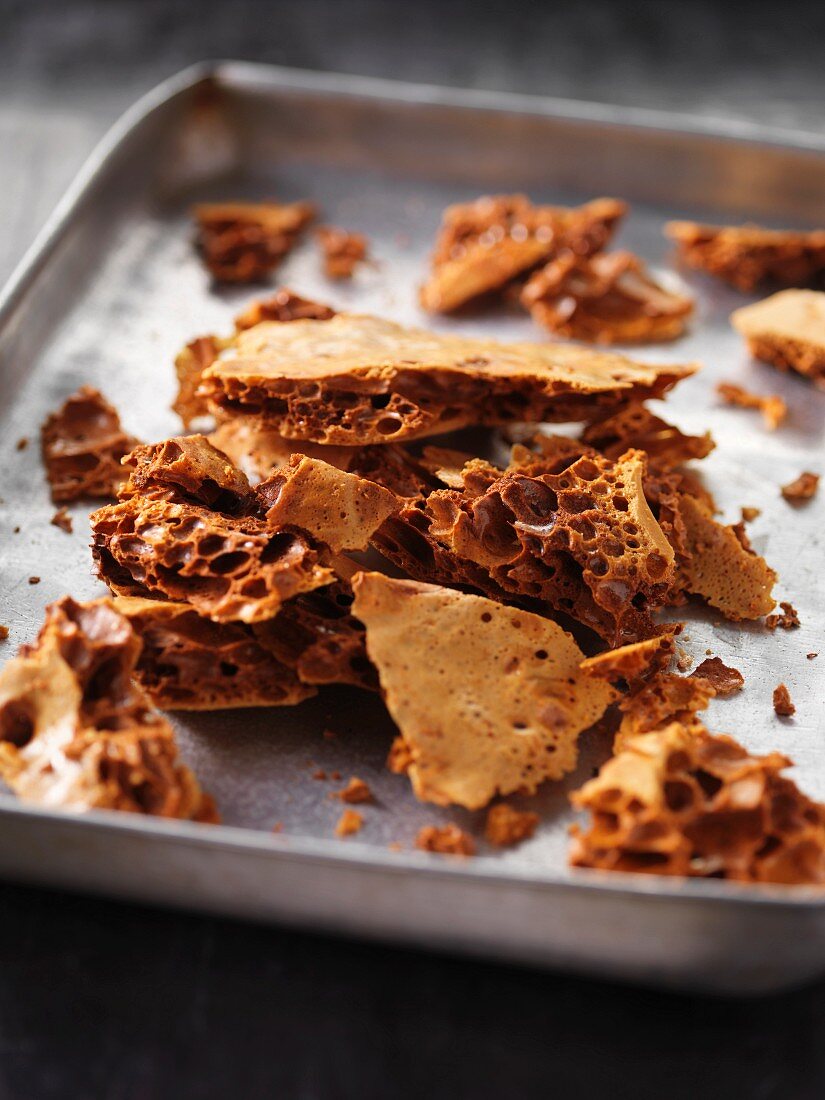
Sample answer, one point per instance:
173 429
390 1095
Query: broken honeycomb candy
188 662
724 679
483 245
242 242
593 514
685 802
317 635
342 251
256 450
489 699
190 363
200 353
356 380
787 330
664 698
631 662
748 255
608 298
634 425
83 444
339 509
76 733
188 468
720 569
227 567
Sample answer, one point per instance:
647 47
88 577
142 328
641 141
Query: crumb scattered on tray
787 330
349 822
319 774
22 444
63 520
801 488
725 680
342 251
506 825
356 791
772 406
811 656
787 619
782 701
34 580
278 827
4 632
329 735
446 839
750 514
683 659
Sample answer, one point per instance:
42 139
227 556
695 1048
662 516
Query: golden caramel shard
189 468
356 380
339 509
446 840
227 567
83 444
342 251
483 245
787 330
772 406
801 488
188 662
747 256
284 305
686 802
258 451
720 569
724 679
77 734
636 426
609 298
243 242
505 825
631 662
489 699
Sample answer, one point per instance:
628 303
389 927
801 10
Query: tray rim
248 76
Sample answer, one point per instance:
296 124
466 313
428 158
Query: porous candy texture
748 256
83 444
355 380
488 699
243 242
483 245
681 801
583 541
75 731
608 298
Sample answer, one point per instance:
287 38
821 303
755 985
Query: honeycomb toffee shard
489 699
483 245
342 251
748 256
356 380
788 331
243 242
188 662
75 731
682 801
609 298
83 445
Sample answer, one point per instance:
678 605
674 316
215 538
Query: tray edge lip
231 74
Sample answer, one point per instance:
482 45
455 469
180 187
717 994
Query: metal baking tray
111 290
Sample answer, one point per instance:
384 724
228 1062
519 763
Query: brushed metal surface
110 292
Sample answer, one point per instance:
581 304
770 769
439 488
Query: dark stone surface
103 1000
